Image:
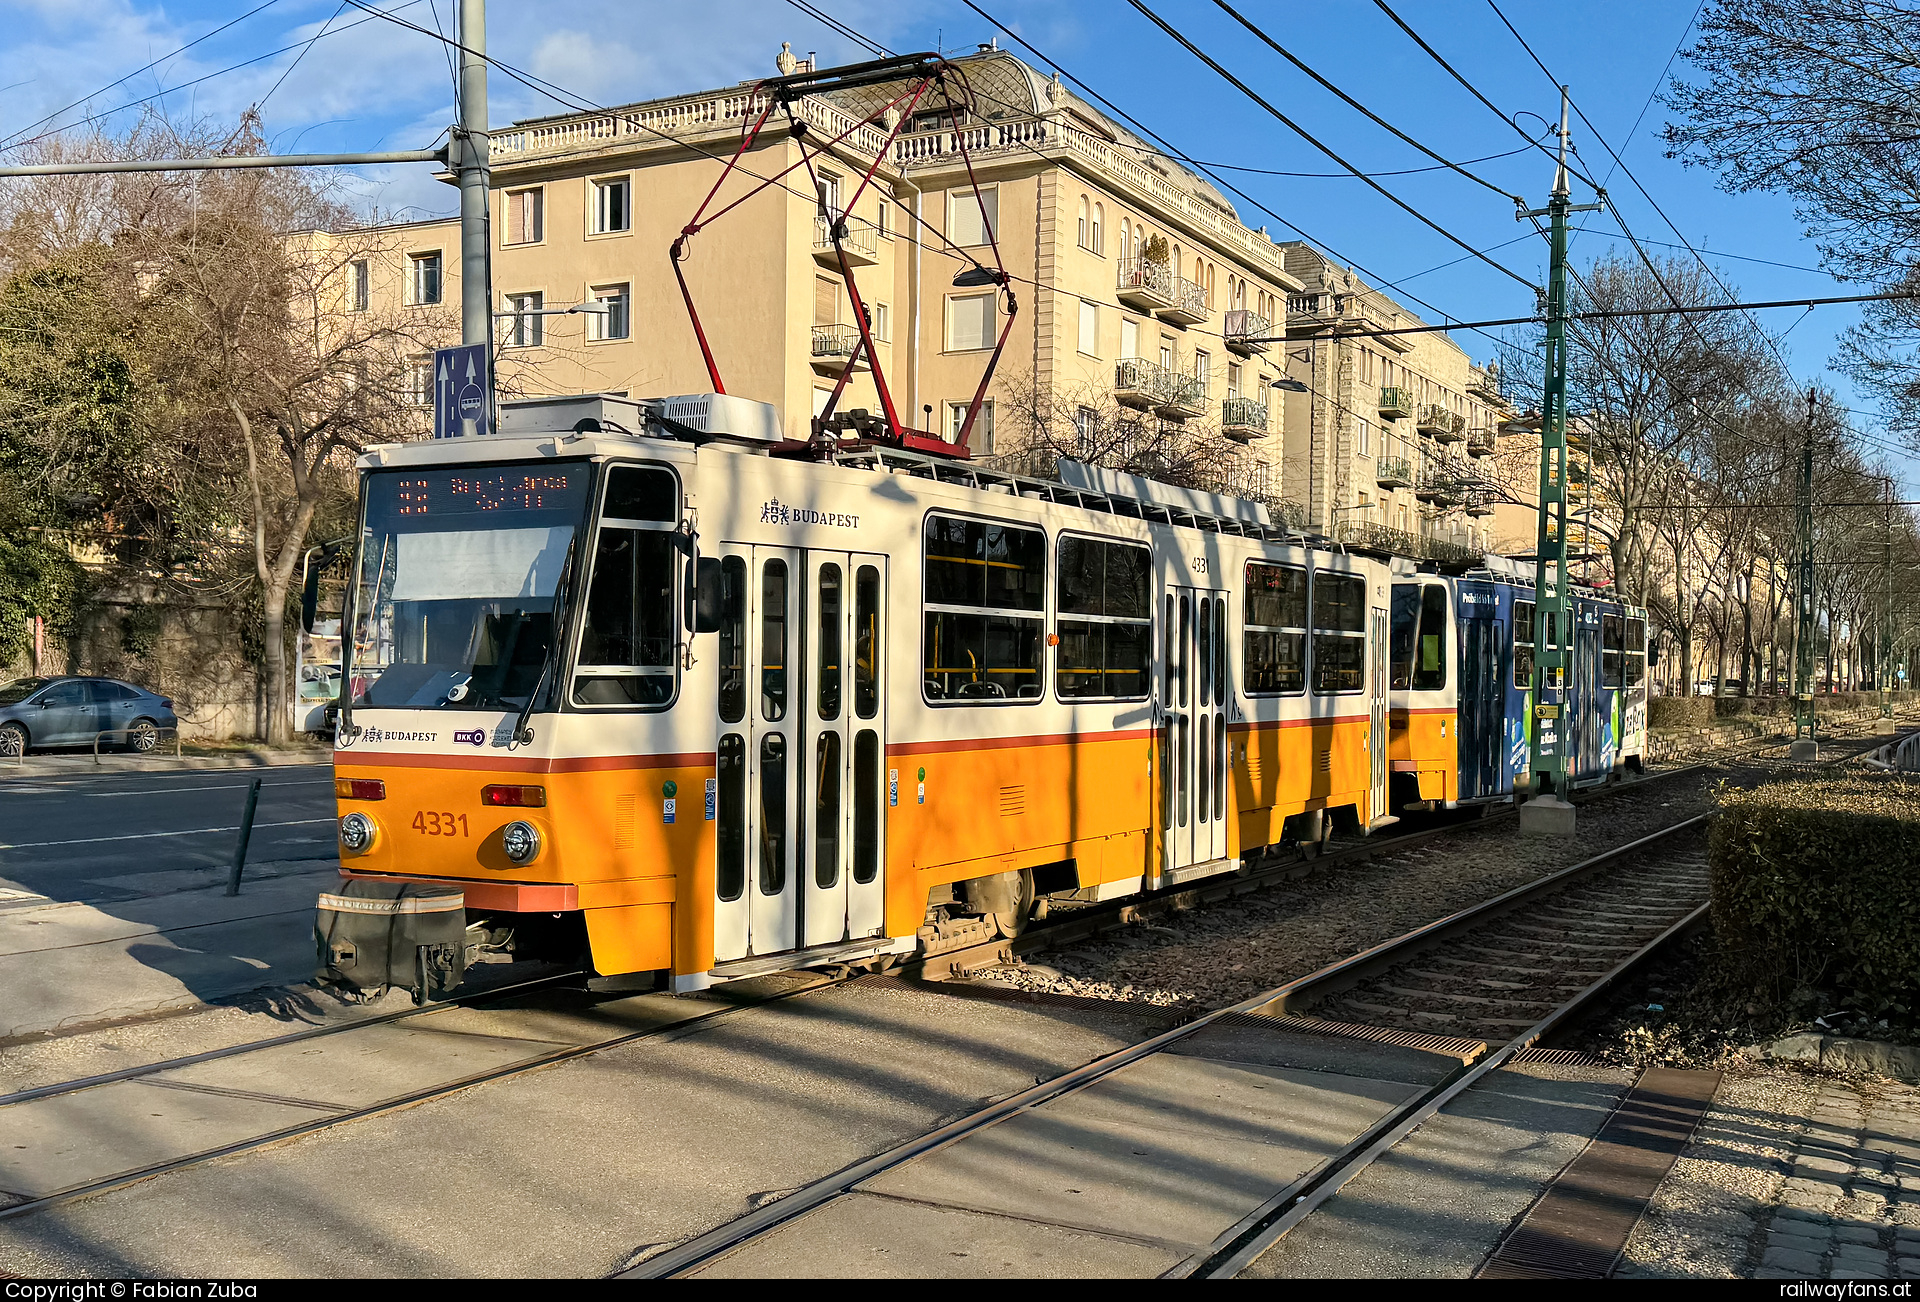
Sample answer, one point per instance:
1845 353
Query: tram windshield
453 604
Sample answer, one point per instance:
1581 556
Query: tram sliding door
1377 740
1194 685
843 895
799 832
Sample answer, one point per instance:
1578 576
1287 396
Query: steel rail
681 1260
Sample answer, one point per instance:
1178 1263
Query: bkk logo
471 736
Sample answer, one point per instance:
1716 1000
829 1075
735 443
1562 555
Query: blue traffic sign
462 392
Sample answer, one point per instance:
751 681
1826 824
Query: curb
1842 1053
46 766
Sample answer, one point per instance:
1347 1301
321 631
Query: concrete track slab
72 964
1436 1206
1174 1149
548 1017
365 1066
862 1236
56 1143
578 1169
1278 1047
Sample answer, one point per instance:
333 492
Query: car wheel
13 741
143 736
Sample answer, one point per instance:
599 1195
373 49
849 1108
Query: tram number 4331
432 823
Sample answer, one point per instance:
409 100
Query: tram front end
513 646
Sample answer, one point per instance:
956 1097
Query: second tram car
697 712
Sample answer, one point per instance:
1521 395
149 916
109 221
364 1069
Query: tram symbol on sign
462 392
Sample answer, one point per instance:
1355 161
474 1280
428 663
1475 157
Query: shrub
1680 712
1813 883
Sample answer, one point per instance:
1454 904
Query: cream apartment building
1399 432
1141 297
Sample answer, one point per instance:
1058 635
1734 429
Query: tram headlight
357 832
521 841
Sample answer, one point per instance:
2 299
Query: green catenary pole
1803 717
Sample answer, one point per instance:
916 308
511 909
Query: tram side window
1523 635
733 639
1339 632
1610 650
1105 620
1636 651
1274 641
985 611
1430 660
627 634
1405 633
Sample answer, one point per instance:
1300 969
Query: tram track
1063 932
1628 903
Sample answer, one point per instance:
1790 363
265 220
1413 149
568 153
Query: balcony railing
1485 385
1189 306
1395 402
1243 419
1440 485
1145 285
1449 427
1480 501
860 241
1138 382
833 348
1247 331
1184 396
1393 472
1480 441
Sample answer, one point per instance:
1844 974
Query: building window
1085 236
424 283
1129 338
882 323
1366 437
1166 353
526 328
1233 380
420 381
883 218
612 206
826 301
830 196
1105 620
615 322
1089 329
965 224
1099 244
971 322
985 611
981 440
359 285
526 216
1203 370
1086 429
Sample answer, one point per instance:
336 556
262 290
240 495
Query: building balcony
857 239
1451 429
834 348
1247 332
1432 418
1189 306
1485 385
1243 419
1393 472
1439 485
1138 382
1183 397
1145 286
1395 402
1480 501
1480 441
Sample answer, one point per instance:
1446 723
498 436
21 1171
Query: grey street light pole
470 155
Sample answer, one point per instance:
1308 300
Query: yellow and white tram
695 710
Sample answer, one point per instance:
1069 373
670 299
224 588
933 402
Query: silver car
74 711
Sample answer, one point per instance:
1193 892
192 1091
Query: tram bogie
705 711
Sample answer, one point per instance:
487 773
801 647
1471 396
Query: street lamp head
1527 424
978 277
1291 385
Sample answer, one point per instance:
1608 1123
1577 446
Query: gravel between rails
1229 951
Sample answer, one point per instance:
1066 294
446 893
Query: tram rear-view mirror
708 600
310 598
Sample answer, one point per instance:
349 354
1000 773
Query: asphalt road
72 836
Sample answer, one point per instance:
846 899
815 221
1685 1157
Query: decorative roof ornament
785 61
1056 93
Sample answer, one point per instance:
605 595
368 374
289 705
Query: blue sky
366 84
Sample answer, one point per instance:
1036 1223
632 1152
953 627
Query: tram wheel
1012 921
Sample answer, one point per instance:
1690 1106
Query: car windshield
20 689
453 604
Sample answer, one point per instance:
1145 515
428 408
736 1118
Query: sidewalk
82 763
65 965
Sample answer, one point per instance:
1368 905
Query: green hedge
1814 884
1706 711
